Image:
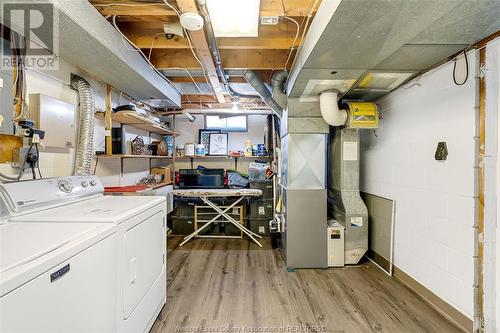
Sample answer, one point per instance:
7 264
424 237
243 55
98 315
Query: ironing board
206 194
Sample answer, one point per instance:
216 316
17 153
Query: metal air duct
263 92
86 125
277 82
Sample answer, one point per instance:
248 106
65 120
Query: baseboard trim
452 314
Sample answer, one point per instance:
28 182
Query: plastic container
180 150
257 171
248 148
199 150
189 149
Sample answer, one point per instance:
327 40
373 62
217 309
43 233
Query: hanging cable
137 49
38 164
153 43
466 70
21 171
294 40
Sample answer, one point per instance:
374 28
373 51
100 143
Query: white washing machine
137 225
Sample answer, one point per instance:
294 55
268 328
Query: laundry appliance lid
103 209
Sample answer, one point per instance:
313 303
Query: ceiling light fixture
234 18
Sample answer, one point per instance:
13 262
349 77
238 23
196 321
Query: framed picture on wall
204 137
218 144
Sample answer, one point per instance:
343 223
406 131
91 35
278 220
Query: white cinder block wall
434 199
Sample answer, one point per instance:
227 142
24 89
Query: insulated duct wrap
277 82
86 126
263 92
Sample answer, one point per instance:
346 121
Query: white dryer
139 225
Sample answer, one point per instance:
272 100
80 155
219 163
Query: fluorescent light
234 18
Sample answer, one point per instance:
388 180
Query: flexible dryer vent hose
86 126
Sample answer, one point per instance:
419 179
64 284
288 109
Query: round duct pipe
330 108
85 144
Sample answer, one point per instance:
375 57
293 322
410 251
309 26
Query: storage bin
184 209
231 230
212 229
259 225
261 208
265 186
182 226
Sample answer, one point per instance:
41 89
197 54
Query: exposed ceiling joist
202 49
267 8
232 59
147 35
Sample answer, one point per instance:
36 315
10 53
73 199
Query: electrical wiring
21 171
96 163
190 42
466 70
4 177
310 8
124 4
294 40
20 81
196 57
38 164
283 7
173 8
192 79
125 38
153 43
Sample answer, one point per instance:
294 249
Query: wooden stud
7 144
109 122
480 210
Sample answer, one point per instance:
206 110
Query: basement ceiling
142 21
366 41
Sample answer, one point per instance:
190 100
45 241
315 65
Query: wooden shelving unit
221 158
122 156
135 119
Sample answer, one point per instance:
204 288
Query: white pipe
330 109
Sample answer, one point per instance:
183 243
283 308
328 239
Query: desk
206 194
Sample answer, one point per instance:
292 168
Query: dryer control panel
33 195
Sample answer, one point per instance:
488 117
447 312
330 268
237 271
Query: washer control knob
65 186
85 184
93 183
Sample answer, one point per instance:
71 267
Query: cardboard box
166 172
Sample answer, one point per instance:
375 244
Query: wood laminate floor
221 285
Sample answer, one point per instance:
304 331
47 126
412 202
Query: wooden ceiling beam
279 36
267 8
202 49
232 59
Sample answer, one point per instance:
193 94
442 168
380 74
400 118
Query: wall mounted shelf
135 119
122 156
192 159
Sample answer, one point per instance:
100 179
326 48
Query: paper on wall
350 151
356 221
